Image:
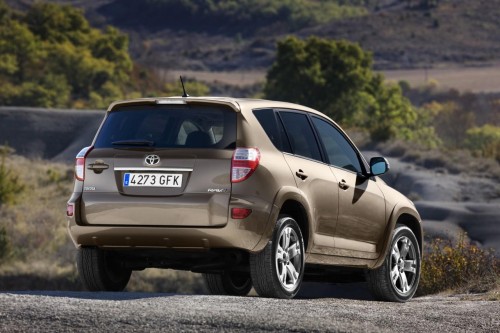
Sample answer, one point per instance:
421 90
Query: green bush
484 141
461 266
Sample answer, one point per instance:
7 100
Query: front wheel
277 271
397 279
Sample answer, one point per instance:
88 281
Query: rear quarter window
169 126
274 128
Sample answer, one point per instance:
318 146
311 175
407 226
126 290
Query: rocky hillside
241 35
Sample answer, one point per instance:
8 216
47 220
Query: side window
301 135
273 128
340 153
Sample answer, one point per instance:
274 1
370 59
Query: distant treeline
230 16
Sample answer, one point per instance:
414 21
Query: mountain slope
456 32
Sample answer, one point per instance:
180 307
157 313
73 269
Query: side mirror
378 166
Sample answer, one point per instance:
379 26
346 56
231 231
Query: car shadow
309 290
354 291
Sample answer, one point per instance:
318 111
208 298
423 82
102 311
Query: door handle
301 174
98 166
343 185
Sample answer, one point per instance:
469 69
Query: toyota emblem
152 160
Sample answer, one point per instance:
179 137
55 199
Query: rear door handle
343 185
301 174
98 166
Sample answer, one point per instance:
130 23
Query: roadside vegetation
459 267
36 252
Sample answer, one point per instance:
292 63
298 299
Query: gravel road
146 312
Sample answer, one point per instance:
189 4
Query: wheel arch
407 216
415 226
296 210
289 200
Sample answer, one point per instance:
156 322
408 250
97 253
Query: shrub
463 267
4 243
10 184
484 141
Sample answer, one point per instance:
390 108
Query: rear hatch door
166 165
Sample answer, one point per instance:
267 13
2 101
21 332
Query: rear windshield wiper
133 143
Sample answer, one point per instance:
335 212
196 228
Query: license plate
152 179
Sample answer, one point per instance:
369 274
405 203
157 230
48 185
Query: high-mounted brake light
80 163
244 163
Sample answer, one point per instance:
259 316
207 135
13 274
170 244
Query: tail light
70 209
80 163
244 163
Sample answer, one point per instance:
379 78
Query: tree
51 57
336 77
389 114
319 73
56 23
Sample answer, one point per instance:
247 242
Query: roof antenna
183 89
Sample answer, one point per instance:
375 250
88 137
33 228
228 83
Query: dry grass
464 79
472 79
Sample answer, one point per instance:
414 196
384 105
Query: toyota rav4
250 193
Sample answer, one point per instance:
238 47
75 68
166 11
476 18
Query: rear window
169 126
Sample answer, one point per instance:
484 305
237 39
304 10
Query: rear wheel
397 279
100 272
228 283
277 271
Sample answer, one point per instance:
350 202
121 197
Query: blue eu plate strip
126 179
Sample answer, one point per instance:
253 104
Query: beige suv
248 192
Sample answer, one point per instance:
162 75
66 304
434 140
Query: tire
277 273
228 283
402 262
99 272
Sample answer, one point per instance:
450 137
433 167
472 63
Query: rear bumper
247 234
163 237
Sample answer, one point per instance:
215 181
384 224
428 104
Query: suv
247 192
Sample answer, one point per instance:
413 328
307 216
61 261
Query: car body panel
362 216
320 187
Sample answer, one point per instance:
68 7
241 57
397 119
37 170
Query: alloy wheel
403 265
289 258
